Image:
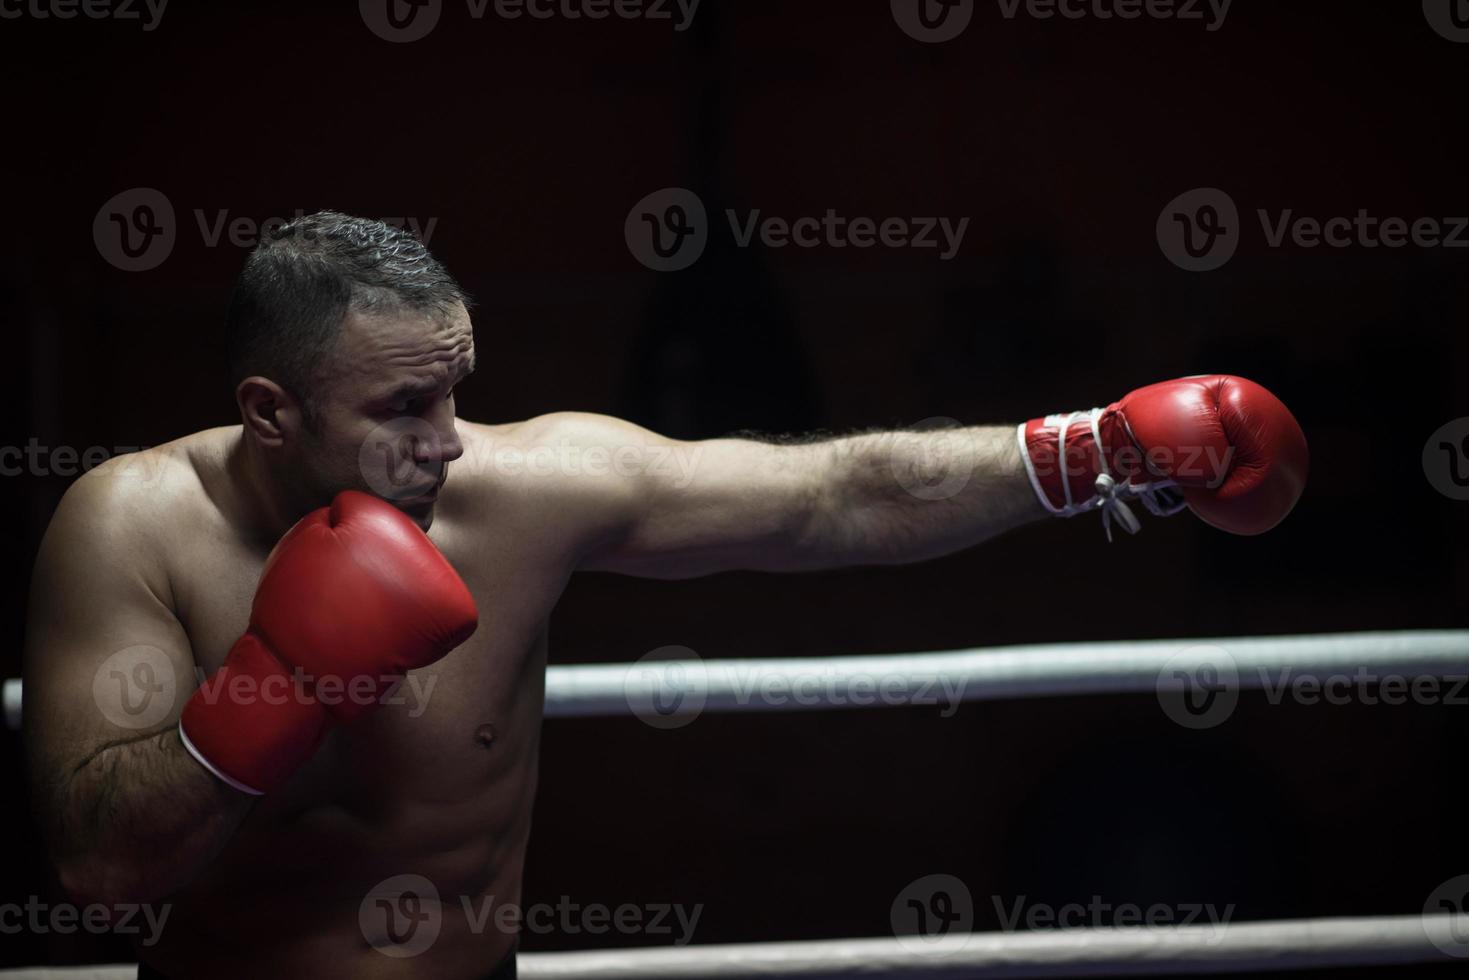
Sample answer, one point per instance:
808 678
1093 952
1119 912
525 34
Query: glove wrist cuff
1085 461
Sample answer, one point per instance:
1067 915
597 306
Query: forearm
899 497
137 819
795 504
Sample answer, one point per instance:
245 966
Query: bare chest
450 730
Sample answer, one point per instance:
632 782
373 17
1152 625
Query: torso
440 787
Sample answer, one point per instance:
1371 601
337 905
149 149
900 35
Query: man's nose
450 446
446 445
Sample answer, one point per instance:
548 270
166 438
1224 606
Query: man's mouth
428 496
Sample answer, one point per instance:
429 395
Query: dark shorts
504 971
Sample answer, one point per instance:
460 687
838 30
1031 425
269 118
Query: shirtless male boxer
264 822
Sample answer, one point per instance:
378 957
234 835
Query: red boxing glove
355 595
1222 446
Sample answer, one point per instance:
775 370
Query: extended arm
1219 445
664 508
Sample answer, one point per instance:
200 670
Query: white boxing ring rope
985 674
997 673
1234 948
1049 670
1231 948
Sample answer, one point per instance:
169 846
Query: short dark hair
302 280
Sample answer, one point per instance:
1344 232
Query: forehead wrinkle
389 346
412 354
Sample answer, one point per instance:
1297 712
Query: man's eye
416 406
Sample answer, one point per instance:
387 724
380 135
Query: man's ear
269 412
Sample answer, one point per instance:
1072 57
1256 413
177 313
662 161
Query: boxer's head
345 341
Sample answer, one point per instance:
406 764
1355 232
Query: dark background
1062 141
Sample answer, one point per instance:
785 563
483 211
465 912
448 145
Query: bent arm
672 509
128 815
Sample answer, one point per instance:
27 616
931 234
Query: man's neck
265 508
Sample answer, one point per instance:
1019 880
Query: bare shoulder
581 429
130 509
140 488
103 583
567 453
573 473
